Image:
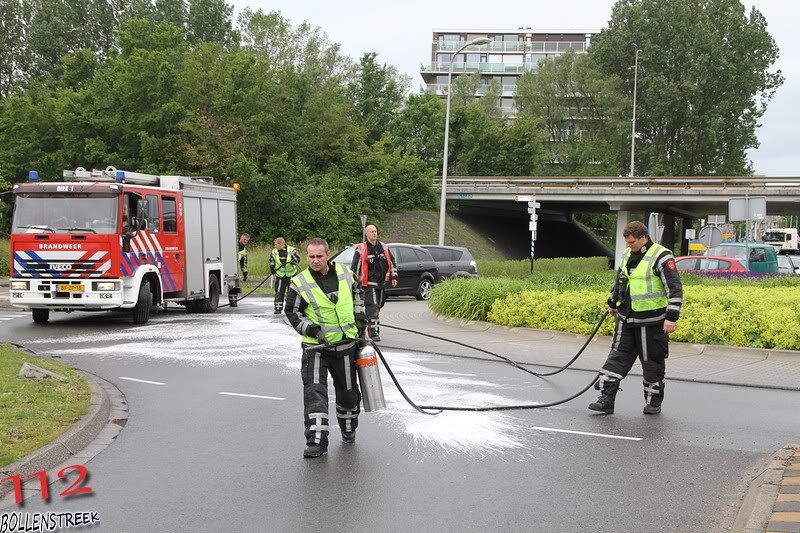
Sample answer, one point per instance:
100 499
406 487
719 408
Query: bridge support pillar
623 217
668 237
686 223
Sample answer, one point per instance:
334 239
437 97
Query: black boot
653 396
608 388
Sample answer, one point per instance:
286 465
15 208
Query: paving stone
783 527
793 507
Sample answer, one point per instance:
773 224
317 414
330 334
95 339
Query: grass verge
34 412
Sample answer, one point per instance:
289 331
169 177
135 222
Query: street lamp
633 125
474 42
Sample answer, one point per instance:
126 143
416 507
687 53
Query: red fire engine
111 239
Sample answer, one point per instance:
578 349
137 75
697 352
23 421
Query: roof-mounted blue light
120 176
33 175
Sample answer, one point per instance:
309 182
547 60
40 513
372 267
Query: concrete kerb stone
756 507
74 440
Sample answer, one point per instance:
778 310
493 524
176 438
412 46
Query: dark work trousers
243 266
373 302
314 369
647 342
281 284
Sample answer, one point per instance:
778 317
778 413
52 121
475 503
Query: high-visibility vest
337 320
646 289
287 269
363 268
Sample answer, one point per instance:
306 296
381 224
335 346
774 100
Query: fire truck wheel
40 316
141 311
209 305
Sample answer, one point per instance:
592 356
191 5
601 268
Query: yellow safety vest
647 290
284 270
337 320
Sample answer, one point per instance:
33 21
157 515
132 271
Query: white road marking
585 433
142 381
252 396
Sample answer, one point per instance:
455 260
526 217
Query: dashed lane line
252 396
142 380
603 435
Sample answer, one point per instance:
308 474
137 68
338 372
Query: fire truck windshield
65 213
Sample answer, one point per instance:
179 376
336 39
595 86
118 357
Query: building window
450 37
551 46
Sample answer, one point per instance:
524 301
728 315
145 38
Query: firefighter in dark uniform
283 263
646 300
243 240
374 267
324 305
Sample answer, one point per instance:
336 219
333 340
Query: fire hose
437 409
248 294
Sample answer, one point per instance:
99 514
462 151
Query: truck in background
111 239
781 238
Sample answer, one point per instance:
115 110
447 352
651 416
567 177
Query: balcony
494 46
553 47
441 89
488 68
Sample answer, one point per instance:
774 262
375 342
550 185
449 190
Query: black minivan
416 270
453 261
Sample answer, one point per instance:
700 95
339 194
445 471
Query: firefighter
646 300
374 267
243 240
324 305
283 265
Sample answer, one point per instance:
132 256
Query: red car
708 263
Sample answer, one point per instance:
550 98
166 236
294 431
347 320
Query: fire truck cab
111 239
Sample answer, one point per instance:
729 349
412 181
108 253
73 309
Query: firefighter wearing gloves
283 263
646 300
243 240
374 267
324 305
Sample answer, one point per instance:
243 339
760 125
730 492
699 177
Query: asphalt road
194 459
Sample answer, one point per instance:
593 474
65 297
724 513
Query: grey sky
400 32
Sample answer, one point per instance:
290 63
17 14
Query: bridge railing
637 182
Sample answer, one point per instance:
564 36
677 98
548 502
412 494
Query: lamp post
633 124
480 41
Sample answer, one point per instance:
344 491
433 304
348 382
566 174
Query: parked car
788 264
762 257
699 263
416 270
453 261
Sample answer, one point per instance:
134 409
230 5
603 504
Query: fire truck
111 239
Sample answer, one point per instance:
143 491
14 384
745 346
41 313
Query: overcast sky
400 32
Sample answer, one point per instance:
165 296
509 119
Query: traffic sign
534 205
524 198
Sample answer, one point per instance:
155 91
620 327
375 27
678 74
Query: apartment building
505 59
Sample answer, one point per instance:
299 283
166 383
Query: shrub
759 317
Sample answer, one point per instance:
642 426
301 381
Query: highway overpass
685 197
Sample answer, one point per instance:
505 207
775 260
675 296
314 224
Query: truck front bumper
66 294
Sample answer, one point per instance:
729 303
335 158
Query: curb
71 442
757 512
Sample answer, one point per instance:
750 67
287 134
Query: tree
13 49
419 128
583 112
210 21
705 80
377 93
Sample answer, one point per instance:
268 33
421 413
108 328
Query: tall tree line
316 138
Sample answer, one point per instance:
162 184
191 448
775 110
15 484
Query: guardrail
688 182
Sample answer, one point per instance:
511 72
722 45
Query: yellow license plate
70 288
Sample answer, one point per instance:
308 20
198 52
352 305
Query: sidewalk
779 369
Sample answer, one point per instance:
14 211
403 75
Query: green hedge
758 317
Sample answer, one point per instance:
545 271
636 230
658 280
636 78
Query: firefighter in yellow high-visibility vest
646 299
283 263
324 305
